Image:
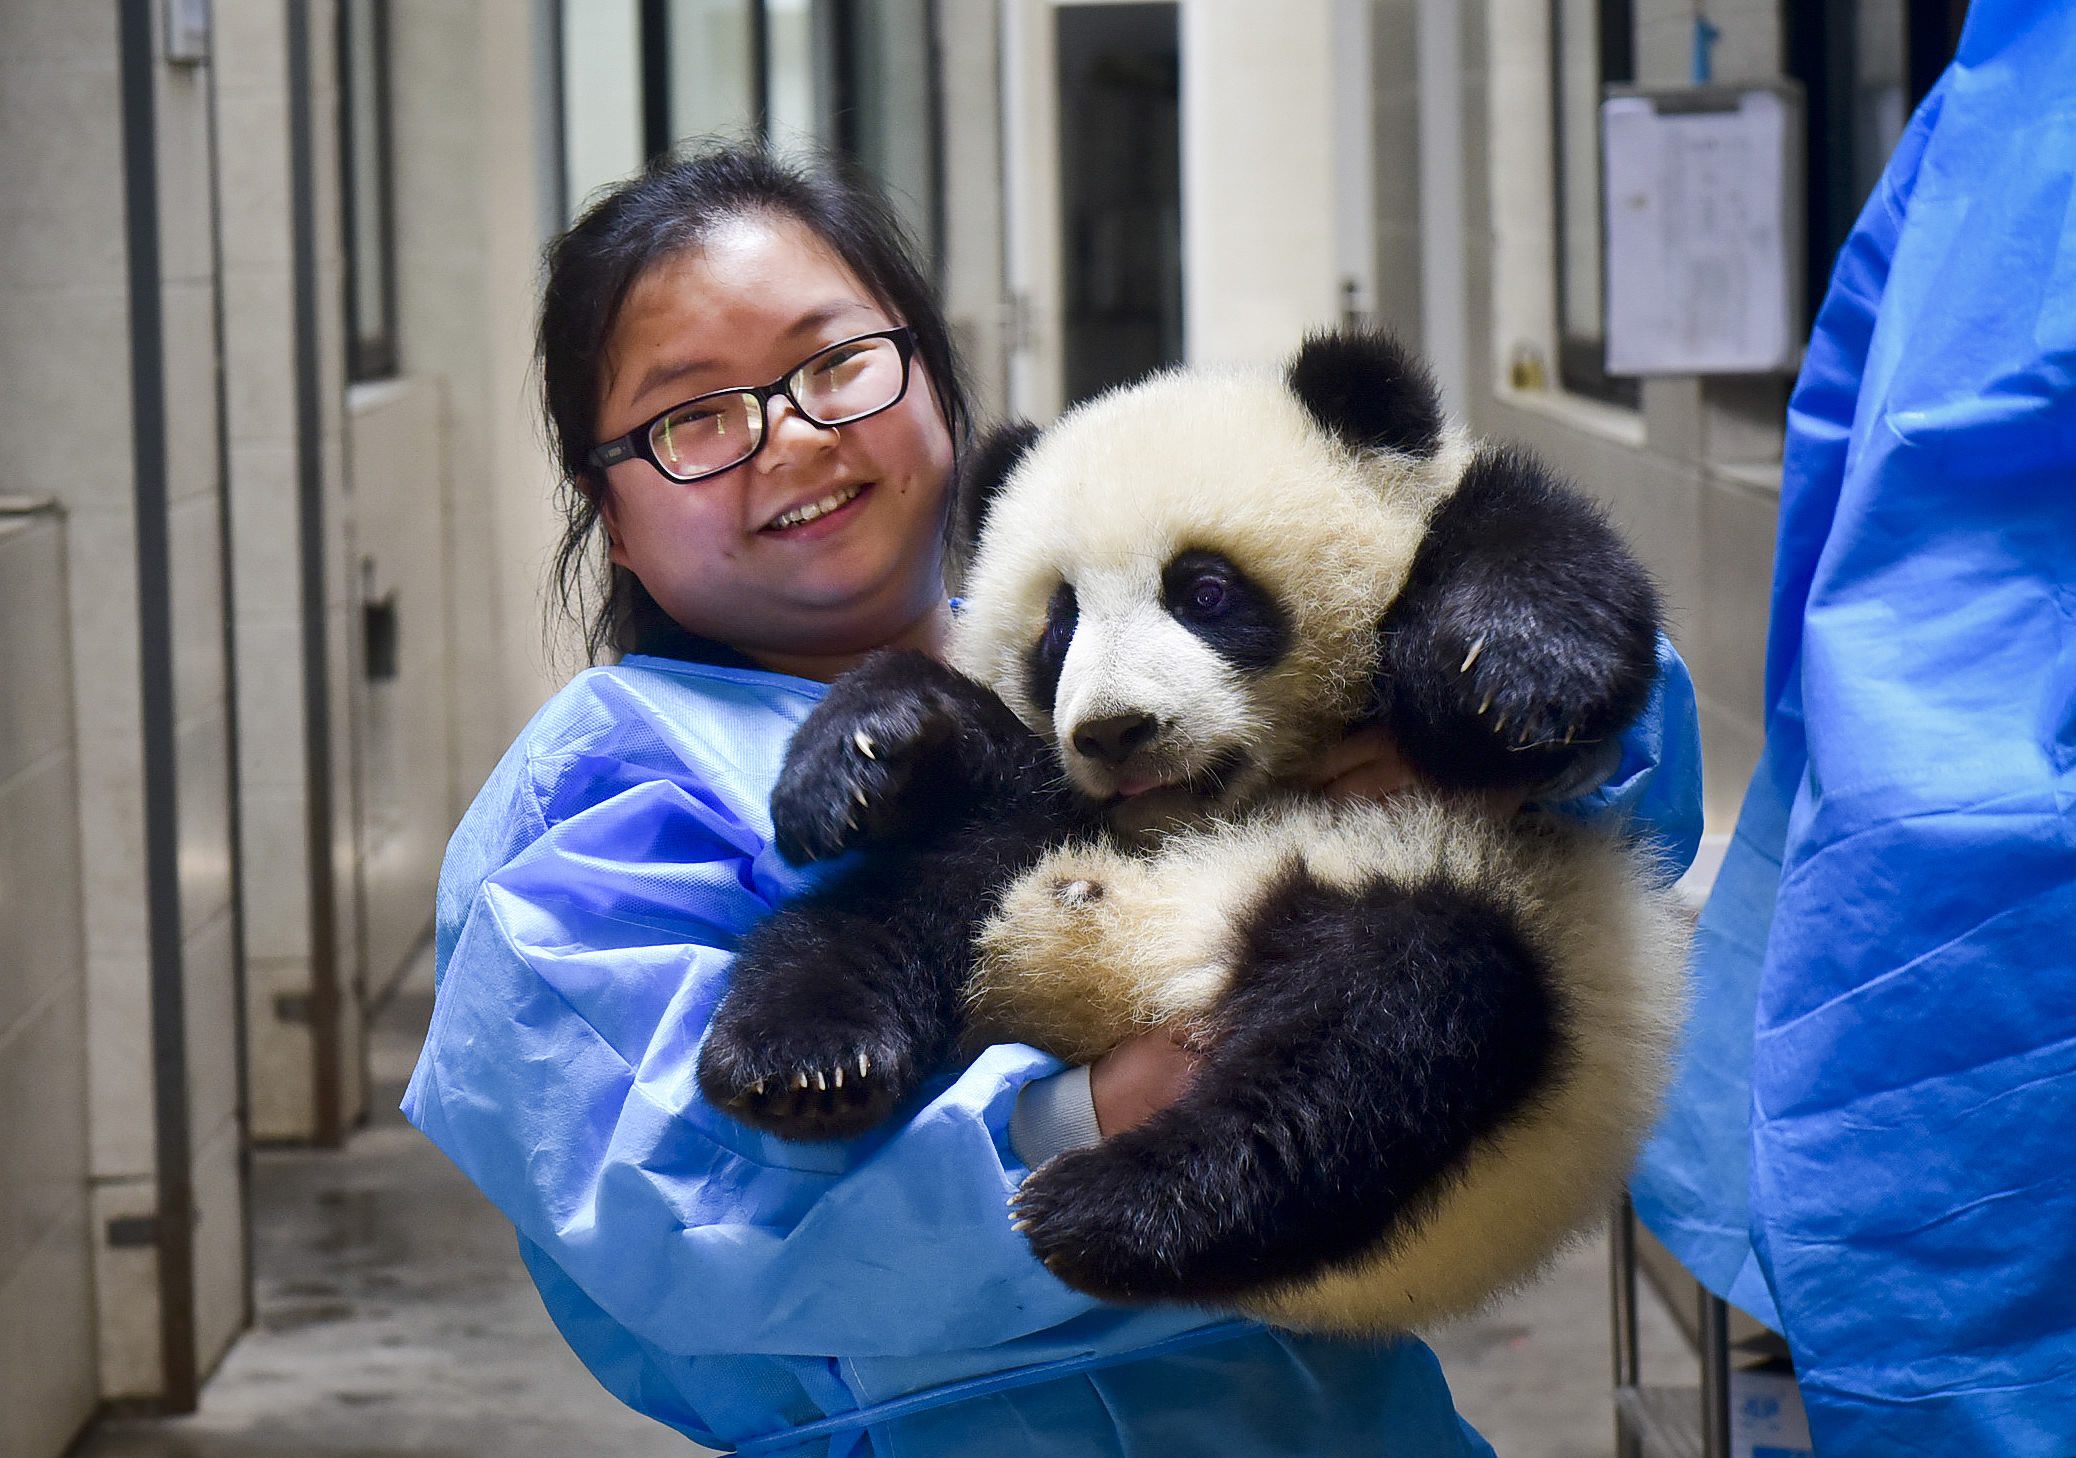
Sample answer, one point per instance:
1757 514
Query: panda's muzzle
1116 738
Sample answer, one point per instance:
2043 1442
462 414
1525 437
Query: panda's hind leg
1370 1035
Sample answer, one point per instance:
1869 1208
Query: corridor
392 1316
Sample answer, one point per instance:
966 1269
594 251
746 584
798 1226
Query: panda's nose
1113 740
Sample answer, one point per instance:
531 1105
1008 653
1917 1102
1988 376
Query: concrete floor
394 1321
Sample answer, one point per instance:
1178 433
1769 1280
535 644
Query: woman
839 1299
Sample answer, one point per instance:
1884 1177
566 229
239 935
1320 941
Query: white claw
839 1075
864 742
1499 723
1569 732
1486 707
800 1080
864 1066
850 821
821 1081
757 1088
1021 1227
859 796
1472 656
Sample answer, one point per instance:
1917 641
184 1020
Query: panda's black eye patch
1049 653
1240 621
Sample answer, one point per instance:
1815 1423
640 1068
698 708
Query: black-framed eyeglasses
721 429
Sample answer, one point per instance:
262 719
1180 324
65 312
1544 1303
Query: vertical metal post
760 65
1715 1375
1622 1300
173 1153
655 73
310 530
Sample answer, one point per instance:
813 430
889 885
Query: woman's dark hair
673 206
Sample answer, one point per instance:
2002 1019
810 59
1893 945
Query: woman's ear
608 519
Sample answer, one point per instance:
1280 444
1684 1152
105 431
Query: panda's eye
1207 595
1049 654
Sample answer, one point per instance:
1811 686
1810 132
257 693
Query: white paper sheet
1698 269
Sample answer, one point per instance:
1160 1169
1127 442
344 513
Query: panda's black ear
981 475
1368 390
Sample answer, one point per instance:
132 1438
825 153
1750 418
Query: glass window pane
370 290
712 85
796 121
601 95
893 110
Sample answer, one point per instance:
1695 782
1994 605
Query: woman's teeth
800 515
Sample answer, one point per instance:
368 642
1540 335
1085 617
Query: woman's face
755 299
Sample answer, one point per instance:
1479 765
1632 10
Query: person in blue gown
825 1299
1870 1146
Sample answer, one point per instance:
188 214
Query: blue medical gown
847 1298
1872 1146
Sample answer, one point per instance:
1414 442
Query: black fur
873 961
1369 390
981 475
1049 654
1367 1042
1235 616
1563 618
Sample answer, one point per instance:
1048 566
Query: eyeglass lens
840 384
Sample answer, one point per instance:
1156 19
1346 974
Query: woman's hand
1365 765
1137 1079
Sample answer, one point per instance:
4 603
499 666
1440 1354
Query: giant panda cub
1432 1032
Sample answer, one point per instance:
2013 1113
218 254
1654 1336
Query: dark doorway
1120 69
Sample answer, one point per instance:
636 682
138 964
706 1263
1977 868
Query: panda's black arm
845 999
1526 634
1369 1040
903 748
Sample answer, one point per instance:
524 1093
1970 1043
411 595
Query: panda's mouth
1206 783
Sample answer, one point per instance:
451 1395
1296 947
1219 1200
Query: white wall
1259 261
471 196
395 445
48 1377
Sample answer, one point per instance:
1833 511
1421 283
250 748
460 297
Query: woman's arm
559 1075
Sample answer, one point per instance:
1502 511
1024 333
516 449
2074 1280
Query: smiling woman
797 521
817 541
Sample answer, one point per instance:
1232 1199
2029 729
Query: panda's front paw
851 771
1488 704
1118 1221
805 1082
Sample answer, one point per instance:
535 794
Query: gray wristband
1053 1115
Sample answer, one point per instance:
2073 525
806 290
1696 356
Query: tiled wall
48 1379
201 712
66 431
396 440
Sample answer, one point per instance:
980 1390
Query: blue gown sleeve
1654 790
559 1075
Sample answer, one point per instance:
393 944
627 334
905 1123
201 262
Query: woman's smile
819 517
